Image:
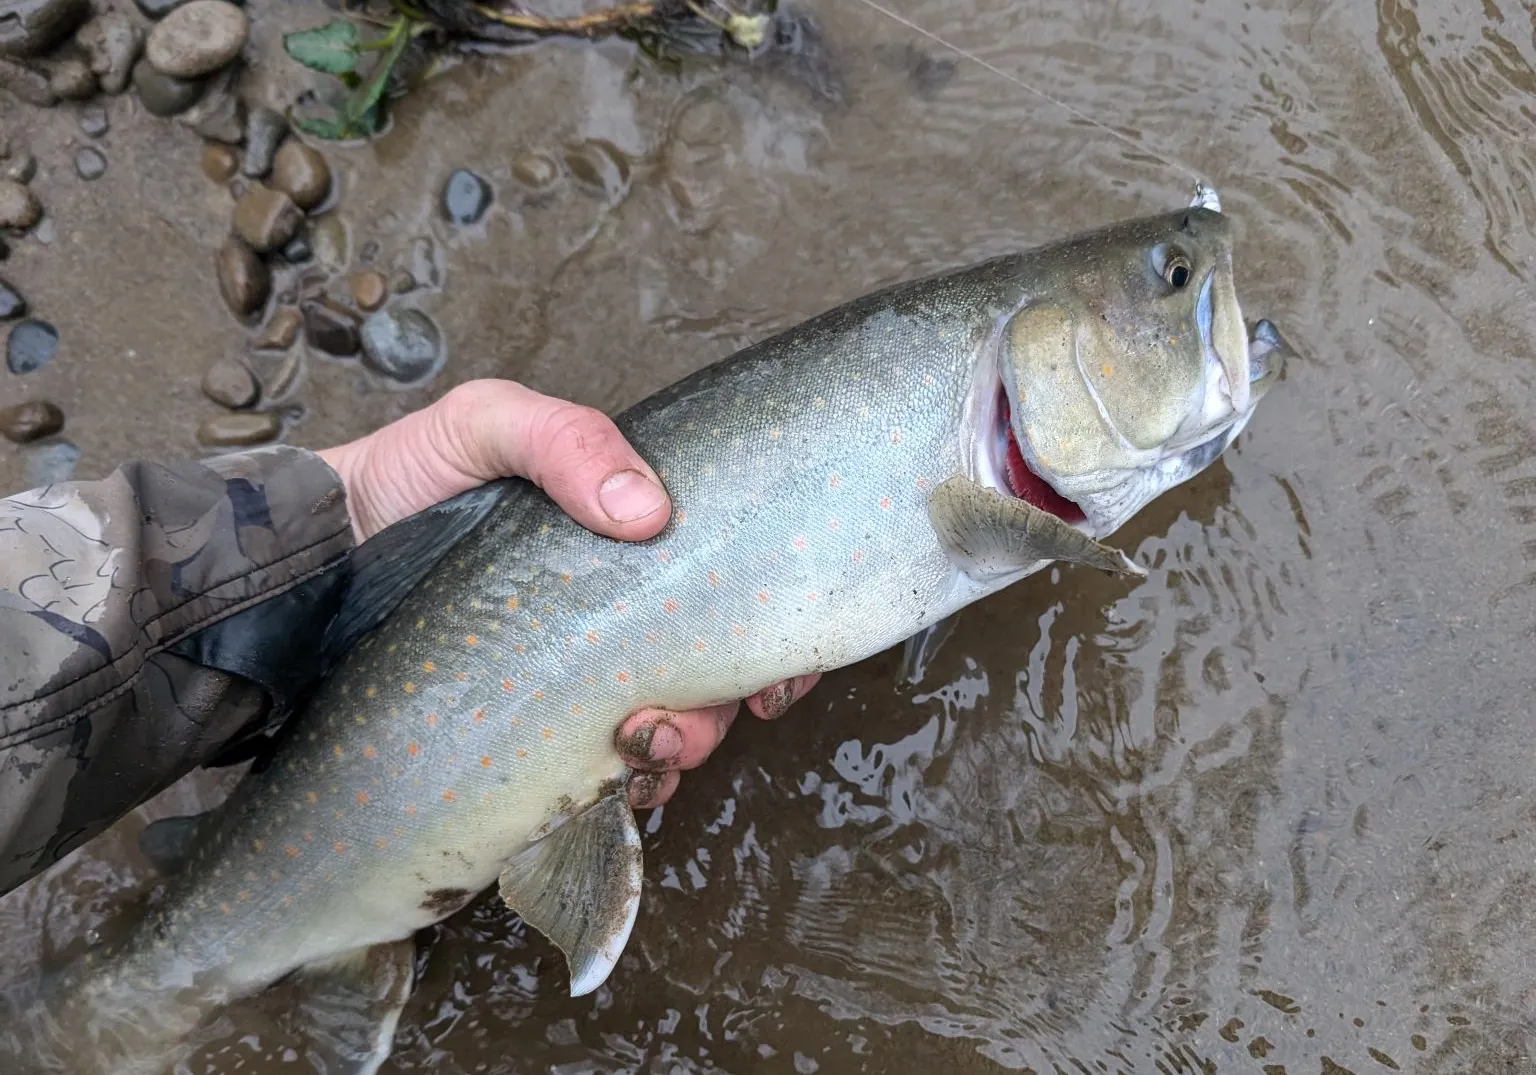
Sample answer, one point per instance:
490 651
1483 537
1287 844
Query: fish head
1126 370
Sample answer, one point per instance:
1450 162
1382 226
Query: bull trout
838 488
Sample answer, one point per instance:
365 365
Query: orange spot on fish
506 685
762 596
362 798
338 751
799 543
858 556
225 908
681 517
460 676
291 851
885 503
922 483
449 797
242 895
660 671
538 696
410 811
311 798
622 677
535 624
896 435
512 603
486 761
519 648
714 579
381 843
308 836
341 848
549 733
471 640
521 753
738 630
431 720
651 636
287 901
620 606
370 752
409 688
669 605
663 556
428 666
834 524
479 716
566 578
412 749
258 846
834 481
592 637
371 691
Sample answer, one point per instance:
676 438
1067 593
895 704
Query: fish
840 487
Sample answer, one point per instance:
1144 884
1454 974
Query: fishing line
1016 80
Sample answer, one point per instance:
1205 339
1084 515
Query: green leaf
331 48
332 128
365 99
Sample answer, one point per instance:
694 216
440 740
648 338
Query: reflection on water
1267 810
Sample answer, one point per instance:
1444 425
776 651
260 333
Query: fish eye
1176 271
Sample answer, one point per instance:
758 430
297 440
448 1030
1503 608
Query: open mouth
1023 482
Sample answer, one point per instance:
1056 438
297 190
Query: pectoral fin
988 534
170 842
580 887
352 1004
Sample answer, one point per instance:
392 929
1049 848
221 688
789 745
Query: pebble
264 217
163 95
220 115
536 171
466 197
244 279
404 345
12 305
27 83
219 162
230 384
369 290
32 27
279 332
264 131
298 250
197 38
331 242
401 282
301 172
22 168
30 345
238 430
50 464
93 121
19 207
331 328
72 80
90 164
30 421
112 44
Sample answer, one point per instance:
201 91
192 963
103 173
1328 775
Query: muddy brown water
1268 810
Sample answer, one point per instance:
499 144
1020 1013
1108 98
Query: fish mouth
1005 468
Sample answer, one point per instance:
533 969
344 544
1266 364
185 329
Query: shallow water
1267 810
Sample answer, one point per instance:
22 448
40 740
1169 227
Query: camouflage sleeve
105 586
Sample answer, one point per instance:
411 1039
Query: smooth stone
331 328
72 80
162 95
536 171
27 82
401 282
266 218
239 430
93 121
403 345
197 38
466 197
12 305
298 250
19 207
279 332
50 464
278 373
244 279
112 44
21 168
30 421
230 384
301 172
30 346
220 115
331 242
219 162
264 131
369 290
33 27
90 164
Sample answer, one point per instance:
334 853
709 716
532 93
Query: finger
774 702
574 453
647 790
658 739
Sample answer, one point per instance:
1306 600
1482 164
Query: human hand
483 430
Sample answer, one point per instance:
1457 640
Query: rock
331 242
30 345
230 384
264 130
162 95
197 38
19 207
50 464
536 171
298 250
422 263
466 197
22 167
90 164
12 305
244 279
279 373
219 162
264 217
331 327
32 27
93 121
401 282
279 332
220 115
237 430
369 290
112 44
30 421
26 82
404 345
301 172
72 80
